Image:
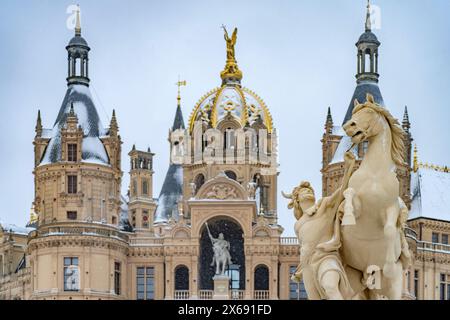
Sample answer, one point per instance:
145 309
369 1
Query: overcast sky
298 55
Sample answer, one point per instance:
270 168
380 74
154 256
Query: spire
38 128
71 111
368 44
416 160
405 123
134 147
78 22
329 118
329 122
368 18
113 126
178 122
231 73
78 56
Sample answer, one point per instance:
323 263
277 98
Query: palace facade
87 241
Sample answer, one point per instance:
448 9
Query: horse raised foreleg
349 215
390 234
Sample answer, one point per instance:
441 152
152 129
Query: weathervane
179 84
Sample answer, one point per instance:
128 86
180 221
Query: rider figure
221 248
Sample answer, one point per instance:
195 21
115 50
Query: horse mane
398 135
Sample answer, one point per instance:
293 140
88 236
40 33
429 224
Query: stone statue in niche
221 249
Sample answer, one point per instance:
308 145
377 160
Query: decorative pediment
222 188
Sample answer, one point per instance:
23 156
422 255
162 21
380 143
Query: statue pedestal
221 287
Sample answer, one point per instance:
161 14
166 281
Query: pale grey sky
298 55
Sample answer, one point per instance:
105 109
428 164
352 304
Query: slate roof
78 40
93 150
368 36
430 195
172 189
360 93
178 122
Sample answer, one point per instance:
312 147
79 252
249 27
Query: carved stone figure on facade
221 249
318 231
251 188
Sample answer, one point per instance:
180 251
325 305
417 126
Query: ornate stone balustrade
289 240
261 294
181 295
79 230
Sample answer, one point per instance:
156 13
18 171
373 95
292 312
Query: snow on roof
8 227
171 192
337 131
430 194
93 150
344 145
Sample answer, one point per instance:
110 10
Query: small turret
329 122
38 128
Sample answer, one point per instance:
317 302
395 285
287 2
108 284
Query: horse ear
356 102
369 98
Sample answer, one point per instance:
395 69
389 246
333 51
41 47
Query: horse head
370 119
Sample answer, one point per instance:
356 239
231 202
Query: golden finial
231 71
78 22
416 159
33 215
179 84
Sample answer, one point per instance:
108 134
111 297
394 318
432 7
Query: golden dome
243 104
231 99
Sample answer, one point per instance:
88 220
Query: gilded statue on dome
231 42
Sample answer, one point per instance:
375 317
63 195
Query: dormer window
72 152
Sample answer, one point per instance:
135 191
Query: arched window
261 278
181 278
231 174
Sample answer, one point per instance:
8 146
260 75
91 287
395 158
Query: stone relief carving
222 192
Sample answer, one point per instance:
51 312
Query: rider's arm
338 196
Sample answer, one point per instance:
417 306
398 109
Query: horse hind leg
390 235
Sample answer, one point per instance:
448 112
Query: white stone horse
372 233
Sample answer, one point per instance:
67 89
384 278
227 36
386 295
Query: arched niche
233 233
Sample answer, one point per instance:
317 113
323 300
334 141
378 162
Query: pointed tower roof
367 75
78 100
172 189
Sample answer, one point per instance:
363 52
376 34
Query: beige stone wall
97 194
